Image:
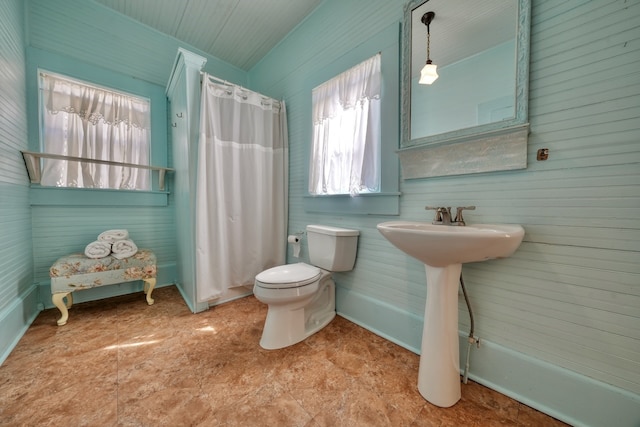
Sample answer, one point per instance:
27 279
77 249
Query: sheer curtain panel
241 194
345 154
82 120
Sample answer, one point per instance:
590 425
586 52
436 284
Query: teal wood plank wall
15 219
570 296
17 298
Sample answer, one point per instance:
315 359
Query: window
345 152
79 119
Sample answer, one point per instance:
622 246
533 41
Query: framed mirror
481 50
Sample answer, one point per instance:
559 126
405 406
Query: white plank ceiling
239 32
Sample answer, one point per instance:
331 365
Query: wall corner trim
16 318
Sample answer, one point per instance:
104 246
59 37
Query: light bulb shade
428 74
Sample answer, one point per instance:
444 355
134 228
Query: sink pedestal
443 249
439 373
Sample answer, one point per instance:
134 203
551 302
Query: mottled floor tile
169 406
356 406
121 362
269 405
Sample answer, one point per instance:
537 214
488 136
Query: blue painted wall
18 296
65 220
560 318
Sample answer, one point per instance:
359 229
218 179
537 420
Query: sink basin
443 249
442 245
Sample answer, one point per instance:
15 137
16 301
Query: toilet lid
288 276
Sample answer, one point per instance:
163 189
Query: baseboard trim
387 321
566 395
16 319
558 392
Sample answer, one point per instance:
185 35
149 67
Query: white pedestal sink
443 249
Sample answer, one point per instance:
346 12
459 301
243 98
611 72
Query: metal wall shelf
32 162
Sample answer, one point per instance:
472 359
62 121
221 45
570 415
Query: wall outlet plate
543 154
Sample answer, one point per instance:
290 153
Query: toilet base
288 324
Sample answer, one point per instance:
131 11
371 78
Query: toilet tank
332 248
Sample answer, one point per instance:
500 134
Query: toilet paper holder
298 235
294 240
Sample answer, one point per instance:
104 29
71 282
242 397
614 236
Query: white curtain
80 120
345 155
241 195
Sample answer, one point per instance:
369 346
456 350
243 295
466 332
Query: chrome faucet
443 215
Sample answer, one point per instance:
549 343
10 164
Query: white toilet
301 297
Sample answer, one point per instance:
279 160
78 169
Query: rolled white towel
123 249
113 235
97 249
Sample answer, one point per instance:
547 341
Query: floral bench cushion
76 271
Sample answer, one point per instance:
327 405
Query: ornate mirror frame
489 147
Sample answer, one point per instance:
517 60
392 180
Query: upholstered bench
76 272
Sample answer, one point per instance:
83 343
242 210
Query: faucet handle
459 210
438 210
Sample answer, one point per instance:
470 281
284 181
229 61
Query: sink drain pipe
471 340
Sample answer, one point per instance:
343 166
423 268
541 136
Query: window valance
92 103
347 89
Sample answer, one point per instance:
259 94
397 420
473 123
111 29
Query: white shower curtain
241 191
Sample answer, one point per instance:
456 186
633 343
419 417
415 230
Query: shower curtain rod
228 83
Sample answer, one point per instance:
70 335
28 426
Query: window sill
363 204
64 196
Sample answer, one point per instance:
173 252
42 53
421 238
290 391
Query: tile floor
121 362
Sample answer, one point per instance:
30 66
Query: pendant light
428 73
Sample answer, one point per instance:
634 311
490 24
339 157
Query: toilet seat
288 276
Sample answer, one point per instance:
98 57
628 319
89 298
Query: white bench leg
149 284
58 301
